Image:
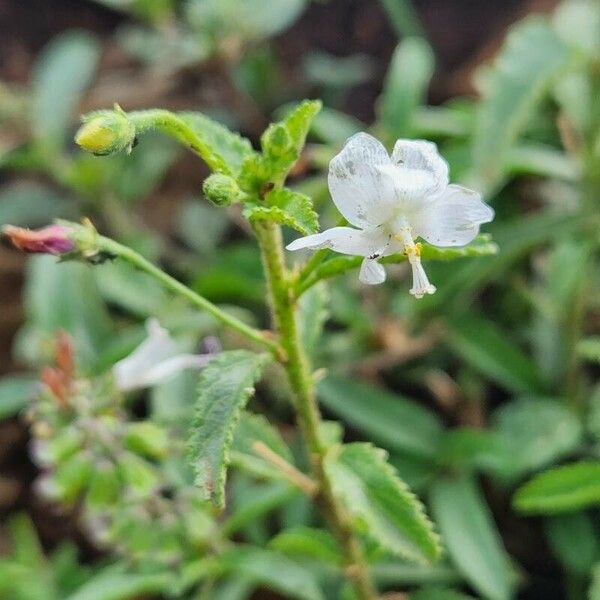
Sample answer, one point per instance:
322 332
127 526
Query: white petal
345 240
422 156
166 369
371 272
155 359
421 285
362 192
452 218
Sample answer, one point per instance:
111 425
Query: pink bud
53 239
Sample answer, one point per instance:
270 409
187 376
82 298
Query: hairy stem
282 300
139 262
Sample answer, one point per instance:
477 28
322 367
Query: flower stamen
421 285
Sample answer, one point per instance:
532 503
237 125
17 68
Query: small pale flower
391 201
155 360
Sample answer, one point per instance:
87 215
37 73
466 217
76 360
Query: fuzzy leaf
567 488
287 208
471 537
523 71
226 384
282 144
225 146
380 503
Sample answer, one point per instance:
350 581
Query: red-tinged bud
53 239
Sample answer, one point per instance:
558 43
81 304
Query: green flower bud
139 476
221 189
105 485
276 140
106 132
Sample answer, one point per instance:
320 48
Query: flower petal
422 156
157 358
453 218
345 240
371 272
362 192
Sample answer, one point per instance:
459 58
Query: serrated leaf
562 489
405 86
537 431
309 542
271 570
380 503
487 349
255 428
282 144
225 150
471 537
225 387
287 208
396 422
523 71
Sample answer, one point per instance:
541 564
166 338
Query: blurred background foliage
485 394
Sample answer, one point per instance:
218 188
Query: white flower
155 360
391 201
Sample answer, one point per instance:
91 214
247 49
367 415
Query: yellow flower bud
106 132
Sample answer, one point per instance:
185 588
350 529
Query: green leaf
225 387
405 86
531 58
396 422
62 296
595 585
254 500
381 505
227 150
282 144
15 393
479 448
574 540
287 208
312 315
437 593
536 432
114 585
255 428
562 489
31 205
487 349
308 542
589 348
61 74
334 127
471 537
270 570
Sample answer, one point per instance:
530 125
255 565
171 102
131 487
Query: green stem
283 304
139 262
178 128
